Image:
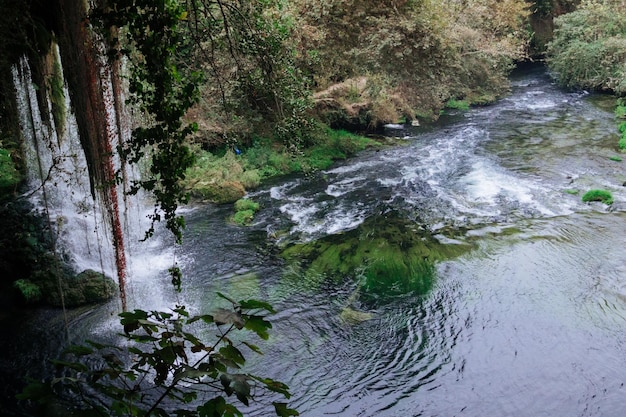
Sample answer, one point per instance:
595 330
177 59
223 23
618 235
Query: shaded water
526 320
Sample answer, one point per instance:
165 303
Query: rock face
88 287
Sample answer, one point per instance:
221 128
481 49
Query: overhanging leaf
256 304
283 411
223 316
258 325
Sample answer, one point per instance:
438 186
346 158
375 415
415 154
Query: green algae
389 255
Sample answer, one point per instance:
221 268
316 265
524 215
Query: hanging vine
150 34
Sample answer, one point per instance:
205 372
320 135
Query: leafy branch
167 369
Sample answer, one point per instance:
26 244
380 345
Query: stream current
529 321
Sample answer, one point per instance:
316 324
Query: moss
457 104
88 287
244 211
9 175
598 195
57 96
29 290
246 204
389 255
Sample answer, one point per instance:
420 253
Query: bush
598 195
589 47
29 290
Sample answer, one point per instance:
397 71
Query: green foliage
163 87
244 211
427 50
589 47
246 204
167 369
616 158
29 290
598 195
9 176
457 104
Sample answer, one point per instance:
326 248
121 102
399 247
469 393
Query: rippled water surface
527 320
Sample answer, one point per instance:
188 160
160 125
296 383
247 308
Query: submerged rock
352 316
390 256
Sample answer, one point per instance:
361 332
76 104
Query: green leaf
256 304
274 386
207 318
283 411
258 325
37 391
218 407
79 350
232 353
252 347
219 294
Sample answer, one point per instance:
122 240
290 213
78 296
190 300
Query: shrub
598 195
589 47
30 291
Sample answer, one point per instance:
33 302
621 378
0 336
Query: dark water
529 321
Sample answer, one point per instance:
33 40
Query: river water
526 319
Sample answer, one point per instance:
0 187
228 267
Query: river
525 310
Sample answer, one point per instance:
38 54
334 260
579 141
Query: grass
598 195
457 104
225 179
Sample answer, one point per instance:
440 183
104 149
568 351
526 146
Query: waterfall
91 224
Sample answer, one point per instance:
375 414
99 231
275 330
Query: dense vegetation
589 47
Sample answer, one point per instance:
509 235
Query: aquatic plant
388 256
598 195
244 211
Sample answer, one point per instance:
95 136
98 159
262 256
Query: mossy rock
598 195
390 256
219 192
88 287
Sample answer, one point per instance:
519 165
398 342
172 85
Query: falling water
91 230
